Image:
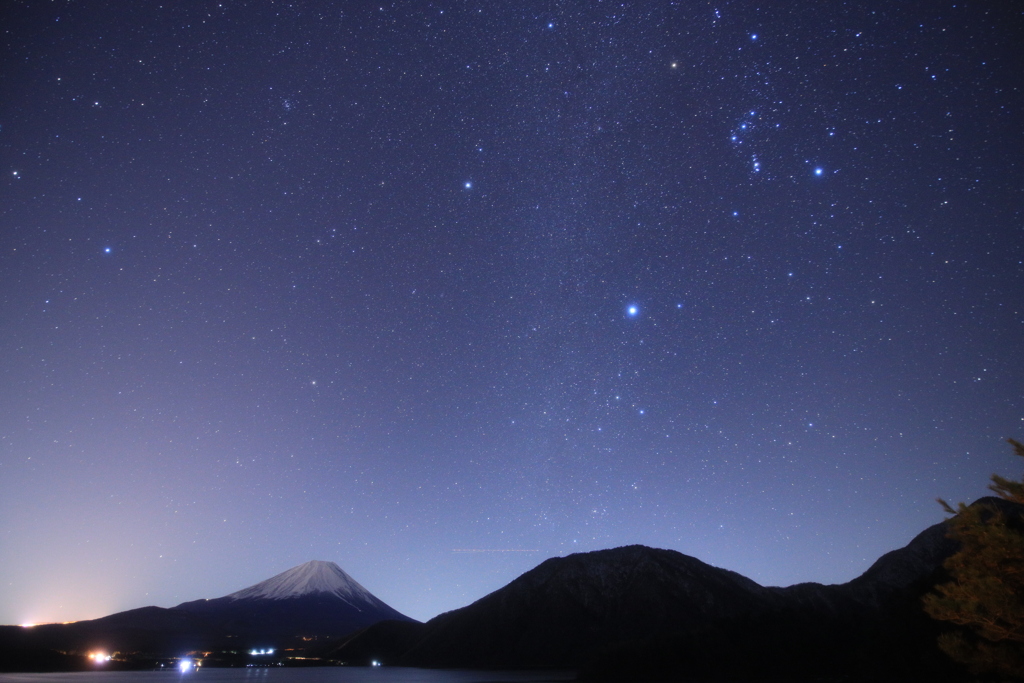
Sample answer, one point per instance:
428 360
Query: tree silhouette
985 595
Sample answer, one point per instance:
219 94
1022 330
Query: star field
439 290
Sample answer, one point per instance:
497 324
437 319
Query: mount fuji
314 599
313 602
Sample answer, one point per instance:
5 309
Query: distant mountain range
638 613
626 614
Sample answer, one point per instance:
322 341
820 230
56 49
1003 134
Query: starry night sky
438 290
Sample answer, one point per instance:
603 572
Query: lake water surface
285 675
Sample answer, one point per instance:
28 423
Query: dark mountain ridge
555 614
638 613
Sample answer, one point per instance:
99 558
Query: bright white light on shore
186 665
99 657
375 663
27 625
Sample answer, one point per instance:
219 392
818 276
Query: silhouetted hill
566 609
638 613
385 641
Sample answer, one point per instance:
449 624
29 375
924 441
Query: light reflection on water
282 675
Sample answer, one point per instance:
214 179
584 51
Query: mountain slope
564 610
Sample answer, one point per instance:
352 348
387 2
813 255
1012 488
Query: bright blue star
468 185
632 310
819 171
107 250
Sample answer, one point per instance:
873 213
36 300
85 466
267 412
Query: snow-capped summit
313 599
312 578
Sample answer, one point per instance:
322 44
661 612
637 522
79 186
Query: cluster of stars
556 205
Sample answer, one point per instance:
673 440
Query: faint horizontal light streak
493 550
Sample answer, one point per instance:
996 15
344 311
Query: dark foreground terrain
638 613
